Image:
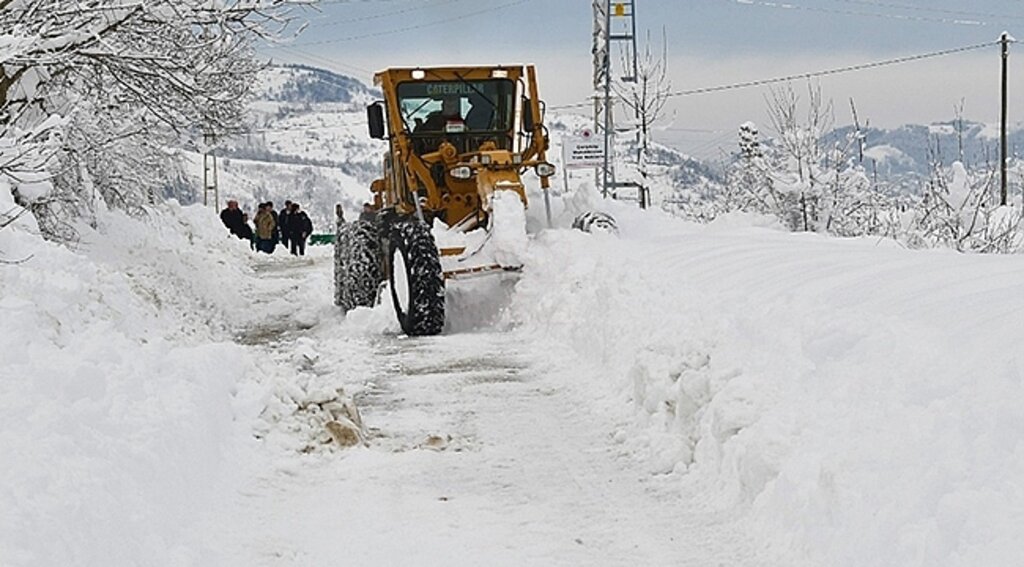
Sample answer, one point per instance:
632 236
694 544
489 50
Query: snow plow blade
481 270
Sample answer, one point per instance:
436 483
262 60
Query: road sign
582 152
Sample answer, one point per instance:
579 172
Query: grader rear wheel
357 265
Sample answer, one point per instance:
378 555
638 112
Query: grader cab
460 140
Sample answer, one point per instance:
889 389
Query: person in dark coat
277 224
282 222
247 233
299 229
368 214
234 219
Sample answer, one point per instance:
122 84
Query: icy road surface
478 453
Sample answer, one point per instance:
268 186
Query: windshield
453 107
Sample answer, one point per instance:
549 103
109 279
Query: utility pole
621 14
1004 40
607 174
601 62
210 172
210 185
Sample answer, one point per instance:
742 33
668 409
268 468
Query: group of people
290 227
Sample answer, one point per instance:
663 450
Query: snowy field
680 395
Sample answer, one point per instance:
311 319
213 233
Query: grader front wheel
417 283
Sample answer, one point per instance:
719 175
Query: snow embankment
118 399
861 402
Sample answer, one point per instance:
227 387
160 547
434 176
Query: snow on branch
129 76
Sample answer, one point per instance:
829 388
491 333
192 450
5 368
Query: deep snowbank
118 395
860 400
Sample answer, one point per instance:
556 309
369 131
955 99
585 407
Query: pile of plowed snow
859 402
118 400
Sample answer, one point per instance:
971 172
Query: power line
385 14
912 7
433 23
321 2
810 75
834 71
904 17
331 65
702 148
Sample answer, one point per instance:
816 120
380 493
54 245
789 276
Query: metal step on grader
460 140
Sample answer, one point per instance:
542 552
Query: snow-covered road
479 453
729 394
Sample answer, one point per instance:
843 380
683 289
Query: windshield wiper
405 119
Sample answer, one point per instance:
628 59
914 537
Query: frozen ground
681 395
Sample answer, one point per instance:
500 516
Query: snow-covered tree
749 185
117 72
957 210
802 176
801 153
851 204
646 97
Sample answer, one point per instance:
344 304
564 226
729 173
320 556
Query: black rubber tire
595 221
357 265
423 313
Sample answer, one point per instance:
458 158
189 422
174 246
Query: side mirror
529 121
375 119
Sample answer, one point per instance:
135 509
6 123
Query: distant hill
304 84
910 148
309 143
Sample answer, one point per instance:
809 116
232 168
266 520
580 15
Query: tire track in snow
479 453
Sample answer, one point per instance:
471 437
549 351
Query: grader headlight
461 172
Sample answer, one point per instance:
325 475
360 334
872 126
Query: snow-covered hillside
910 149
308 144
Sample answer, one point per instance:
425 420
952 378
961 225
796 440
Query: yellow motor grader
460 140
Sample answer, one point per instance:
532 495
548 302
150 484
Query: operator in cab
448 119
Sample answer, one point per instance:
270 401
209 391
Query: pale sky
710 43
